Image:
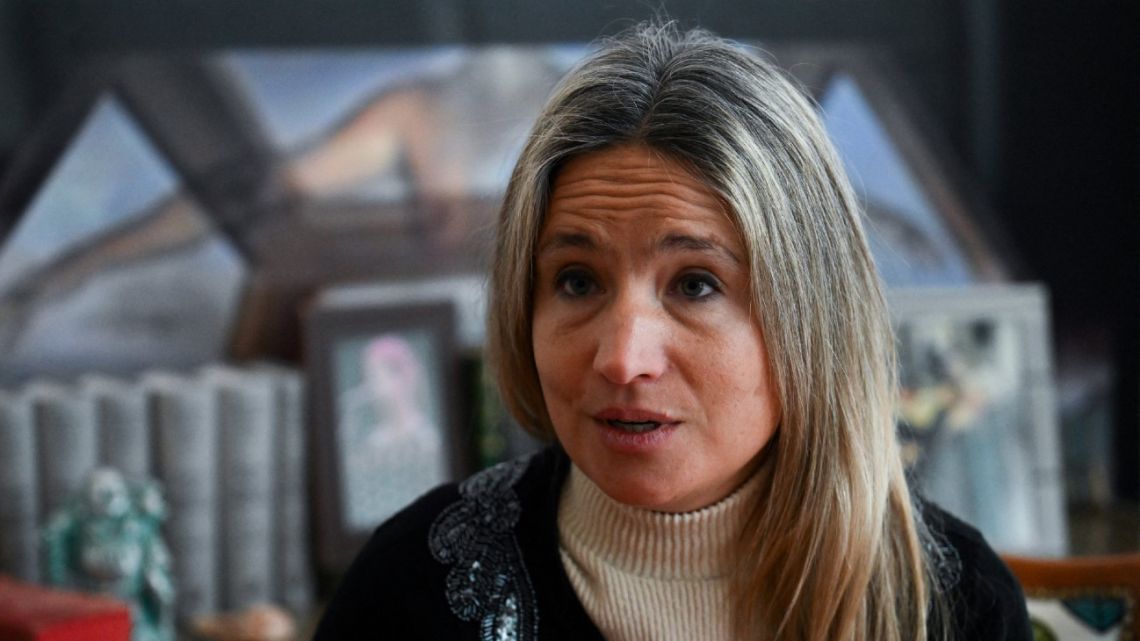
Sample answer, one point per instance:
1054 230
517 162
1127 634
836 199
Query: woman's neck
686 546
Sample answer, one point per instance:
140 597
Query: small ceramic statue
108 540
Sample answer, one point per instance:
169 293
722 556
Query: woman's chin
646 494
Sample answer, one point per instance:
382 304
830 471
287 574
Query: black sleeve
986 599
393 589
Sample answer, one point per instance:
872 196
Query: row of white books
227 447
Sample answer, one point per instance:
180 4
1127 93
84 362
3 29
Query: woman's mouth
633 420
634 427
635 430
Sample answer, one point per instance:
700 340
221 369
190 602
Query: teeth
635 426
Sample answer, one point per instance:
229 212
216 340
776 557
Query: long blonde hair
835 549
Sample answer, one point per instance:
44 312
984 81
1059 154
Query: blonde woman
683 300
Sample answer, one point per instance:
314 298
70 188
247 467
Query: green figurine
108 541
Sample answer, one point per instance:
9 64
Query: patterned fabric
488 582
1093 618
1100 614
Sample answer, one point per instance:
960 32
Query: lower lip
635 442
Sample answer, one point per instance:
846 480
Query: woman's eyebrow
668 243
674 242
564 240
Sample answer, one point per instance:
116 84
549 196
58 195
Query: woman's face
652 367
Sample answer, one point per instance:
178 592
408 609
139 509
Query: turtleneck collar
694 546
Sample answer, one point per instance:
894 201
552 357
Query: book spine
295 578
184 419
121 422
66 444
246 424
19 513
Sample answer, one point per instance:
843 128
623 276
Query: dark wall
15 86
1069 189
1038 101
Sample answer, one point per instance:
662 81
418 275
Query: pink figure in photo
392 446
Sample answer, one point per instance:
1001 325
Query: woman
682 296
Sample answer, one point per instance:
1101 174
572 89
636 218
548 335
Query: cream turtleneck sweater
645 575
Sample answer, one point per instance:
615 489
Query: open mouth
635 427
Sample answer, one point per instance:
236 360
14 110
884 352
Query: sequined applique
488 582
939 551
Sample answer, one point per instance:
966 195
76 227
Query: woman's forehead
627 171
634 189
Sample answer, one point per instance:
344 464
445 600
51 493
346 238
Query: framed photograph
977 416
384 415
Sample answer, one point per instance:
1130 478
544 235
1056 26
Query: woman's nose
631 345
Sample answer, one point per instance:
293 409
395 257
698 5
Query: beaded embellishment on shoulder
939 551
488 582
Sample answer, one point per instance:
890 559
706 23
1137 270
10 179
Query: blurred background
185 183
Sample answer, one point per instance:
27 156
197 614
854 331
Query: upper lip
633 415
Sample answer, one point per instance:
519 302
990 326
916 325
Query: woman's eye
697 285
575 282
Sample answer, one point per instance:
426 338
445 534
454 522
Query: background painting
976 416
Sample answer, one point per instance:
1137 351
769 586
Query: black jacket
479 561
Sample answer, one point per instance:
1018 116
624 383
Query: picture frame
489 434
977 418
384 424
